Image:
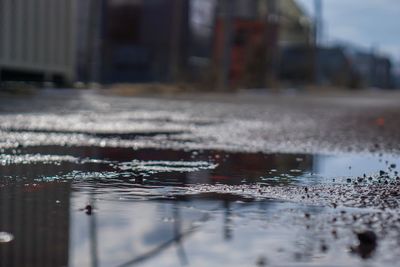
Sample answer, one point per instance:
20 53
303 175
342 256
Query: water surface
100 206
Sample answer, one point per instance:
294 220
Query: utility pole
94 42
176 40
226 6
318 21
271 41
318 37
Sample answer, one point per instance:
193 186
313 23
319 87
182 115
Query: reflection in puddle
143 212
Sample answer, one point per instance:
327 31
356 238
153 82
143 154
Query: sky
365 23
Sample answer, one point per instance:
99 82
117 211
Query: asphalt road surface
97 178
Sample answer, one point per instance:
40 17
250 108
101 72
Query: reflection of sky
363 22
129 229
136 228
124 230
338 166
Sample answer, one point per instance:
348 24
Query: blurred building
396 75
110 41
140 40
334 66
170 40
37 40
338 65
260 29
373 70
38 216
296 26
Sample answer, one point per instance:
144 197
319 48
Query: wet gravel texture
252 122
240 149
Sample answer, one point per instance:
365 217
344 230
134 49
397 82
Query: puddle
153 207
159 167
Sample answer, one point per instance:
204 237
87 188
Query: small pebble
88 209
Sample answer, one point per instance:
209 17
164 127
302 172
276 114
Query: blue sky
366 23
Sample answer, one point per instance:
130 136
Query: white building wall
38 36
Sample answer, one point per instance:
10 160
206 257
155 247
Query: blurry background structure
219 44
38 40
231 43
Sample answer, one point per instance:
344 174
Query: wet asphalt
256 121
323 163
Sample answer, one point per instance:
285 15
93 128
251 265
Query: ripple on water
152 166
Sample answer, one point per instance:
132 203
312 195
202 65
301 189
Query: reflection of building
37 40
37 215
